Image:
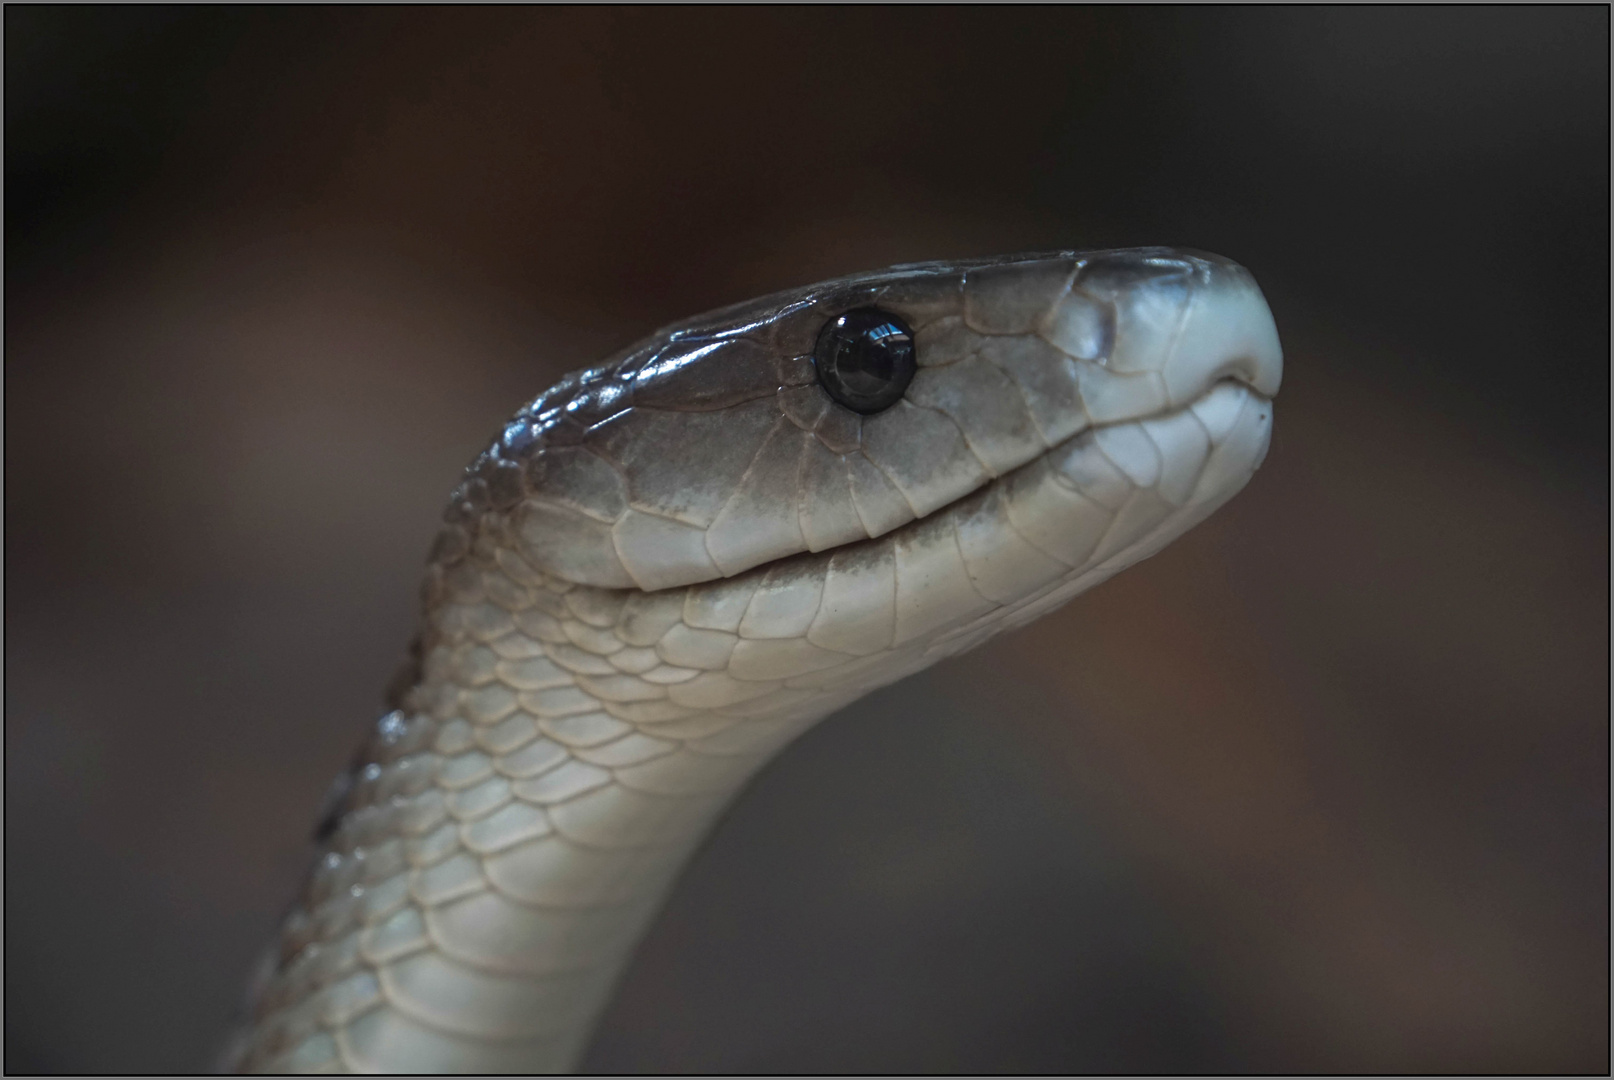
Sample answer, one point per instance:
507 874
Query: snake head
714 445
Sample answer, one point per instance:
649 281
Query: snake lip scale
1236 383
668 566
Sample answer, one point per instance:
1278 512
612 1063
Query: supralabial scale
667 567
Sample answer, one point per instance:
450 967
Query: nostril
1242 369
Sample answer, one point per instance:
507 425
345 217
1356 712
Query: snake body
667 567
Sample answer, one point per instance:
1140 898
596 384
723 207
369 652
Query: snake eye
865 359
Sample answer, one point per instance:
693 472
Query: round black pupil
865 359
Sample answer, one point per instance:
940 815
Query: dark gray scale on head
698 375
714 361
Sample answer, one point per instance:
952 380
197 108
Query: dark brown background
1324 786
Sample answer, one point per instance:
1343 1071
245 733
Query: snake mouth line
1241 384
895 535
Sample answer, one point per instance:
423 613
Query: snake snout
1191 318
1228 333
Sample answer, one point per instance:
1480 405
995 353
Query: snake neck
556 754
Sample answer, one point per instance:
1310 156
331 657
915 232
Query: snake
668 566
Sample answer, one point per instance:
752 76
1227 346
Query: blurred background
1324 786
